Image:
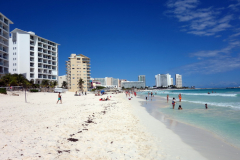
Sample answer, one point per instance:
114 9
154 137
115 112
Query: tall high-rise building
4 44
78 67
178 80
33 56
171 81
163 80
142 78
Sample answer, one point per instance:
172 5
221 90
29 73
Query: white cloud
214 65
203 21
214 53
236 6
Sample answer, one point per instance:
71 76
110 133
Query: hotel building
108 82
33 56
163 80
61 79
78 67
130 84
178 80
142 78
4 44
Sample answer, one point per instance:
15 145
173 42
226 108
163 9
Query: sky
199 39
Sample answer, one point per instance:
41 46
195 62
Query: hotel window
73 68
78 58
72 64
73 78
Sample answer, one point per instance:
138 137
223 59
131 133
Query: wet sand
203 141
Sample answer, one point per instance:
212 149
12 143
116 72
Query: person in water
206 106
180 107
59 98
180 97
167 97
173 102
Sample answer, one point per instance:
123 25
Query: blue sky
196 38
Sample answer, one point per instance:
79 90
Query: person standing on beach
151 94
173 102
146 98
180 97
59 98
167 98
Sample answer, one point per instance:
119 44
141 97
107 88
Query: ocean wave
201 94
232 105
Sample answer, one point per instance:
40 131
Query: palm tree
6 80
55 83
45 83
80 84
64 84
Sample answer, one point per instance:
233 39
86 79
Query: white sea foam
201 94
232 105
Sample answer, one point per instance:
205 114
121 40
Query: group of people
79 94
104 99
174 103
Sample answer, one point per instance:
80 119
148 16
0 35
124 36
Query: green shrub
3 91
33 90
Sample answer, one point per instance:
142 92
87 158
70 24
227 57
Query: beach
85 128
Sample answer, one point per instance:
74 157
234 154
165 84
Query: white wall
23 48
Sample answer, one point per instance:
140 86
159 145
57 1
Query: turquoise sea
222 117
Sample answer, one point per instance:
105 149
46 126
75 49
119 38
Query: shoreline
205 142
85 128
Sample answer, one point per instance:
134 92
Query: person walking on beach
59 98
180 97
167 98
173 102
146 98
151 94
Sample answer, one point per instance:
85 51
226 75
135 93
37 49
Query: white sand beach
84 128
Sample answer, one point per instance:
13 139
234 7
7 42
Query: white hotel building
33 56
4 42
178 80
163 80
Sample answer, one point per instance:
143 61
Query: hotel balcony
32 48
5 28
31 54
5 21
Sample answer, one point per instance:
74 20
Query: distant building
33 56
108 82
130 84
61 79
78 67
142 78
163 80
120 82
178 80
4 44
171 81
